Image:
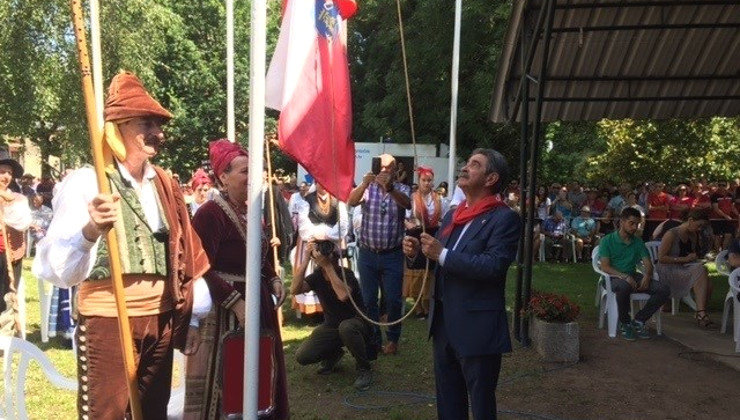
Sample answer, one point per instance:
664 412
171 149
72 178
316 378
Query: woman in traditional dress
201 185
680 263
15 218
221 224
426 205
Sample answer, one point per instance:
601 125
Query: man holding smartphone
384 203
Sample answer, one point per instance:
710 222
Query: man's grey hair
496 163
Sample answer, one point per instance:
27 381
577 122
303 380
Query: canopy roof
624 59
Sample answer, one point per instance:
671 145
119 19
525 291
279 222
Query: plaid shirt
382 218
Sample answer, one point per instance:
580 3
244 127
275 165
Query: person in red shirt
681 203
657 208
724 216
596 201
700 196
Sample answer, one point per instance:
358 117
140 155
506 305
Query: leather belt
383 251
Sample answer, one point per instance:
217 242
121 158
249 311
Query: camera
376 165
325 248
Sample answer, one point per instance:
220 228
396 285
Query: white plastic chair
45 291
14 399
734 282
353 254
652 248
607 300
723 267
176 405
567 238
722 264
21 296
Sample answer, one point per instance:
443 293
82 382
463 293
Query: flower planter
555 341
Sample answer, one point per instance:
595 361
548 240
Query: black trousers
458 378
5 279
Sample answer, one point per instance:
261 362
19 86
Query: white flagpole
451 164
97 60
230 119
257 59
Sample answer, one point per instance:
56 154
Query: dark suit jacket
471 283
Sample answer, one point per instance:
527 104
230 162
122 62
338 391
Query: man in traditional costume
160 256
221 224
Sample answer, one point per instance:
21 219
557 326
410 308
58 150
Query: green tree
376 67
36 77
566 150
671 151
177 49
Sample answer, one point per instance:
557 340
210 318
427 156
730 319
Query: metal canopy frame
528 42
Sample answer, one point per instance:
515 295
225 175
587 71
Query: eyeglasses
383 208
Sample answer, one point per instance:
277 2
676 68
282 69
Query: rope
406 77
416 164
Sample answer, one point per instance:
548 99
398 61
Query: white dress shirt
443 254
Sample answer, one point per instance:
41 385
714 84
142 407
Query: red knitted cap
222 152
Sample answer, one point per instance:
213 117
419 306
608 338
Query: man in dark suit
474 247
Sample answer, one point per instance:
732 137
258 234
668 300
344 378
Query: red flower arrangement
552 308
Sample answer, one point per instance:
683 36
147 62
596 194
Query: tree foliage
376 67
619 151
671 151
178 49
37 82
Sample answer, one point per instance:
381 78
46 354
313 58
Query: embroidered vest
316 216
143 251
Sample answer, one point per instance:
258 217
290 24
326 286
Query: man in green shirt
620 253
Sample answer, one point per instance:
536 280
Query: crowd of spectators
583 215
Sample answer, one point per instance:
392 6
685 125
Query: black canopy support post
528 57
523 156
534 150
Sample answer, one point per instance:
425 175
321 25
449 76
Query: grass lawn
404 384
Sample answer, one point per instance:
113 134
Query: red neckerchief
463 214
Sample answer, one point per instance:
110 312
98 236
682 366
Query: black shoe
364 379
328 365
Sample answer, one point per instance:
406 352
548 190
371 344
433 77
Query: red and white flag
308 82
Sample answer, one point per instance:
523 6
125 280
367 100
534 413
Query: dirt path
621 379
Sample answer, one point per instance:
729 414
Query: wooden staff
276 260
96 141
272 204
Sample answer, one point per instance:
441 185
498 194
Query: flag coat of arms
308 82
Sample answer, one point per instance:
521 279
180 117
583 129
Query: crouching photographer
342 326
